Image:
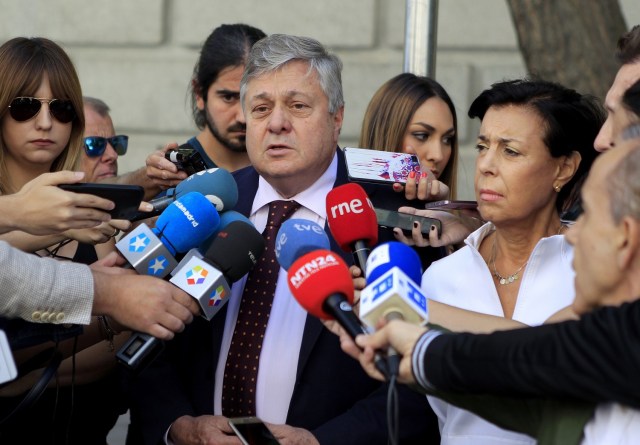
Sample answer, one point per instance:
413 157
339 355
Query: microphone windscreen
217 184
351 216
187 222
297 237
226 218
393 254
236 249
317 275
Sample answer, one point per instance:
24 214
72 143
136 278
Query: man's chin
236 148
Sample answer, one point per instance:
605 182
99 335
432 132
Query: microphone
230 256
297 237
226 218
182 225
352 221
390 254
392 291
216 184
320 281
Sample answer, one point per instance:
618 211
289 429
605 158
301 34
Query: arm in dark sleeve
162 392
596 359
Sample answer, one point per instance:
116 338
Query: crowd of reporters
270 111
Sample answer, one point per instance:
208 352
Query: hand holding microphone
183 225
352 221
391 293
320 281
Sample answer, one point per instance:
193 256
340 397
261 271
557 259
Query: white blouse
463 279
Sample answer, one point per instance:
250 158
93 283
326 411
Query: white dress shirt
463 280
281 345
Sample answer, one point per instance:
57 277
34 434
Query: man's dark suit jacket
596 359
332 397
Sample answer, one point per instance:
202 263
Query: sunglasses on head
94 146
25 108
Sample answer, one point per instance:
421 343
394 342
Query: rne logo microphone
312 267
354 206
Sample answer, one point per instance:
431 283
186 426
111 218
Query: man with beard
215 103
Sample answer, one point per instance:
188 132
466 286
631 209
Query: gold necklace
514 276
503 280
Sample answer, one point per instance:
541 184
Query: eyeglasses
25 108
94 146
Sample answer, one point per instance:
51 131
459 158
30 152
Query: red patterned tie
241 369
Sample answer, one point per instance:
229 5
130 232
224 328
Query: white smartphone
252 431
451 205
385 167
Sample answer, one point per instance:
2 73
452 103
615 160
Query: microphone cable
393 411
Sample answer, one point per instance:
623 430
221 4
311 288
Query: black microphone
231 255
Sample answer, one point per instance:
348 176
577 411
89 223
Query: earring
557 188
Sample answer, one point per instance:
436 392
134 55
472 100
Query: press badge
8 370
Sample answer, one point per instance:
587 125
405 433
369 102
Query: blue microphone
298 237
216 184
184 224
393 254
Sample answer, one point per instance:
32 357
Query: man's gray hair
276 50
97 105
624 187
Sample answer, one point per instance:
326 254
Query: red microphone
321 282
352 221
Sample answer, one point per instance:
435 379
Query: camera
186 158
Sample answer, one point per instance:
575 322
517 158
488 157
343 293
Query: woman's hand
424 187
455 228
100 234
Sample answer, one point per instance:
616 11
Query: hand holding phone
392 219
381 167
127 198
451 205
252 431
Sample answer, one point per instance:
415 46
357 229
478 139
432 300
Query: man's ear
628 243
197 90
338 118
568 168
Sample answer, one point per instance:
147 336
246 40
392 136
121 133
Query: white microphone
207 278
393 295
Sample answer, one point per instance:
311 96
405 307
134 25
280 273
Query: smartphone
252 431
451 205
382 167
127 198
391 219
